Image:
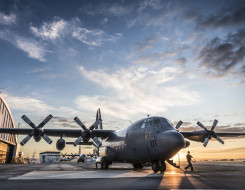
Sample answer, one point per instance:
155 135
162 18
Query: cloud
136 91
153 59
223 57
182 61
38 70
151 13
7 19
27 104
94 37
63 122
33 48
52 30
59 28
153 4
112 9
141 47
229 16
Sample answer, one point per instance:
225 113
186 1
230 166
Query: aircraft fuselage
147 140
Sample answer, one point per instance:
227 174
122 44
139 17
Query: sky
183 60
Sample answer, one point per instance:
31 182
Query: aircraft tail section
98 117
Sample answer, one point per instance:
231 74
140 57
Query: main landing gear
104 163
158 167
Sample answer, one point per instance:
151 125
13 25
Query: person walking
188 158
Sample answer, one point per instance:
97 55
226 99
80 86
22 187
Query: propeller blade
28 121
179 124
76 142
78 121
219 139
214 124
96 123
47 139
97 142
201 125
46 120
25 140
205 142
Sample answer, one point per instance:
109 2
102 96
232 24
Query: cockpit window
163 123
143 124
169 122
166 123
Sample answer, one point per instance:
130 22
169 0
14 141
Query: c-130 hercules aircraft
152 140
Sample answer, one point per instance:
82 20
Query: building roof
11 117
1 97
49 152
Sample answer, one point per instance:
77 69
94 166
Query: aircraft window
146 135
157 123
149 123
136 126
169 122
143 124
166 124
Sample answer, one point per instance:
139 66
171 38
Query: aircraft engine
87 133
60 144
37 132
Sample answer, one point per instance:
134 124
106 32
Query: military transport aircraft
151 140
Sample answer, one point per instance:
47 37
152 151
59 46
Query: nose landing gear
158 167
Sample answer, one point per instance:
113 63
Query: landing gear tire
163 166
155 166
104 164
137 166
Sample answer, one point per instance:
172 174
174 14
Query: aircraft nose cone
176 139
171 142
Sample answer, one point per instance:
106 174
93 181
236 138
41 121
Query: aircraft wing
102 133
200 136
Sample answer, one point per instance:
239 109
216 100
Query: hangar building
8 142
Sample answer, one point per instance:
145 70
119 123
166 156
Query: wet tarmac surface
207 175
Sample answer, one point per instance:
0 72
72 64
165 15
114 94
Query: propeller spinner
37 131
210 133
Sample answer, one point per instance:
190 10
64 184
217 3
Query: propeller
86 134
179 124
37 131
210 133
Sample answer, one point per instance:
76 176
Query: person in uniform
188 158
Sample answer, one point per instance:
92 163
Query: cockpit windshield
163 123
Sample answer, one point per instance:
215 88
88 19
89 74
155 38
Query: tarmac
71 175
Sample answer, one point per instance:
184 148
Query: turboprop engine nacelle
60 144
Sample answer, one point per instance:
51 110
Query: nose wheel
158 167
163 166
